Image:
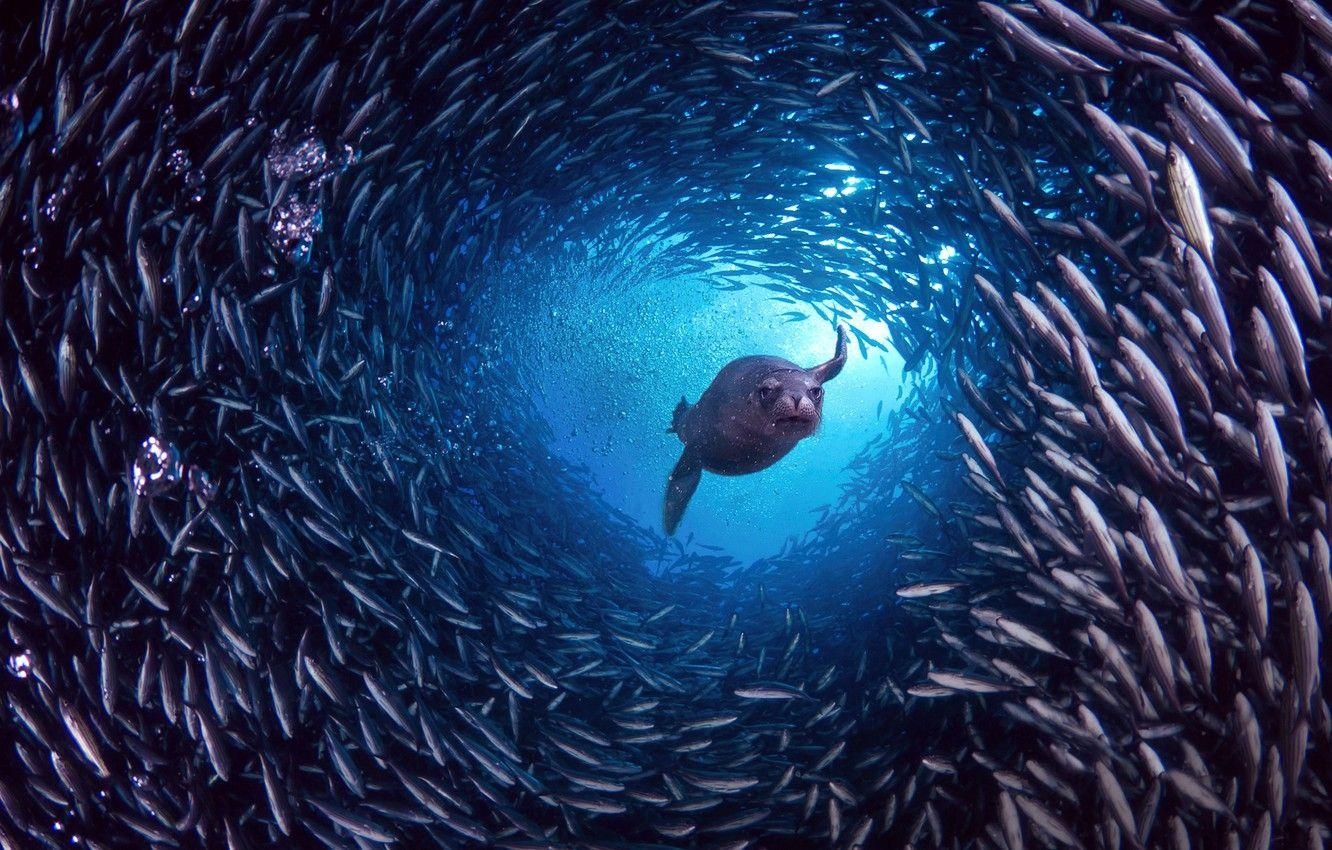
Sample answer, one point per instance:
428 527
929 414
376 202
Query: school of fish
282 562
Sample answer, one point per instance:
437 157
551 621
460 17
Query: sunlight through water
614 362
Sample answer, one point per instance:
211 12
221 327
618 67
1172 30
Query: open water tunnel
341 344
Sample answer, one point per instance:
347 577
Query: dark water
340 344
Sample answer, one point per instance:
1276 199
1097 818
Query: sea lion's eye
767 391
816 393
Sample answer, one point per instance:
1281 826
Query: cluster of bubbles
158 469
297 218
180 164
20 664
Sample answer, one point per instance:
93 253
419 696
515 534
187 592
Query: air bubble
20 664
201 484
306 159
178 161
294 224
292 229
156 468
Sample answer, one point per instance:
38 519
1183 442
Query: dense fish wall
282 562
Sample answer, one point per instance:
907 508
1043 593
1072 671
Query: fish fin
680 488
677 418
827 371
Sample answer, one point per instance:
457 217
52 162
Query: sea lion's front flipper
825 372
679 488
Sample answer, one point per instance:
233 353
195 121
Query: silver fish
1272 454
1186 194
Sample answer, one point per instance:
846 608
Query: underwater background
340 344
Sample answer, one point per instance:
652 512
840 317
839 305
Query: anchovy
968 684
927 589
1306 639
353 823
1186 193
1124 151
1300 287
1210 305
769 691
1060 58
84 737
1194 791
1217 82
1273 457
979 445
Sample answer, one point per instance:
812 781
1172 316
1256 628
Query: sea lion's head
790 401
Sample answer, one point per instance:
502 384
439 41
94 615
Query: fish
769 691
927 589
1124 151
1186 193
1054 55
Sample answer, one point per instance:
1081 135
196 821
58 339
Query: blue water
606 365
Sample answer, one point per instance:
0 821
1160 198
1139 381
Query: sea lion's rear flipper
825 372
679 488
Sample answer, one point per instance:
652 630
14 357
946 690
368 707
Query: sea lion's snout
798 409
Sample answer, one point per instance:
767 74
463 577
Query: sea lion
750 416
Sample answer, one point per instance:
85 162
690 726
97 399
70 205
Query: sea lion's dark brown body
751 415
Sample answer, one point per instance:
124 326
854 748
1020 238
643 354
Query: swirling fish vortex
283 558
